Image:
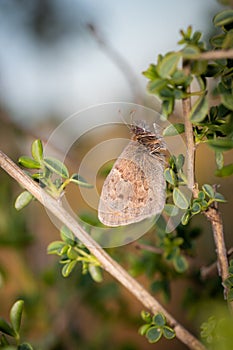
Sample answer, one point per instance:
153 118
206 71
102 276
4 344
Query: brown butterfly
135 188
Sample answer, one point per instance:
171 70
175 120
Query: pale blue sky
76 74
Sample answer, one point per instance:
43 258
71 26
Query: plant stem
190 154
106 261
212 213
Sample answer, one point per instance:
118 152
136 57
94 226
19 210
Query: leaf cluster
155 327
51 174
72 252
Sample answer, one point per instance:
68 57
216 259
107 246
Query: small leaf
219 197
156 85
196 208
159 320
180 263
79 180
56 166
209 191
96 273
16 315
6 328
171 210
219 159
179 162
230 295
185 218
227 100
199 110
227 170
223 18
179 199
67 235
220 145
143 329
153 334
37 150
56 247
168 64
146 316
173 129
29 163
170 176
168 107
23 200
168 332
68 268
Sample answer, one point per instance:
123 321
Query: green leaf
220 145
143 329
179 162
219 197
159 320
173 129
227 170
229 282
71 253
196 208
6 328
228 41
153 334
37 150
171 210
167 107
16 315
223 18
56 247
68 268
151 72
25 346
79 180
227 100
96 273
185 218
29 163
230 295
170 176
168 332
179 199
23 200
146 316
209 191
199 110
56 166
67 235
180 263
190 51
168 64
156 85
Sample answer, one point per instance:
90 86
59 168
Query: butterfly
135 187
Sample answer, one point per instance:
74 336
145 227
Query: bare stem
106 261
213 55
190 154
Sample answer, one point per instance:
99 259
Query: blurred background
57 58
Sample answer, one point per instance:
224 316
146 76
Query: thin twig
213 55
106 261
211 270
148 248
190 152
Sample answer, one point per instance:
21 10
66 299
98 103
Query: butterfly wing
134 189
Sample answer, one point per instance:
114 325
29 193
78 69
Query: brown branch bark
213 55
106 261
